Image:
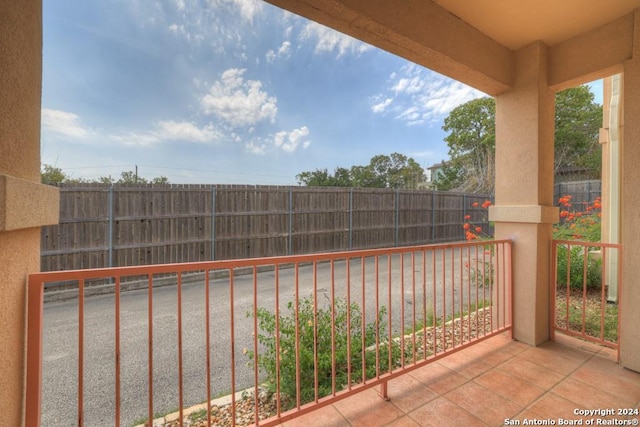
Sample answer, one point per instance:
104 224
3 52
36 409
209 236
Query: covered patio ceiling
475 42
515 24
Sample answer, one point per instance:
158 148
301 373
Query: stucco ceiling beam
593 55
420 31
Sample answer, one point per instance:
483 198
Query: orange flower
466 226
467 217
478 229
474 204
486 204
470 236
563 214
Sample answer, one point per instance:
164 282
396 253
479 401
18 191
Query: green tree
471 139
393 171
52 175
322 178
160 180
449 178
578 122
131 177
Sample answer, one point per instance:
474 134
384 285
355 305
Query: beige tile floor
496 382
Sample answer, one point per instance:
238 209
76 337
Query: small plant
314 328
198 416
573 260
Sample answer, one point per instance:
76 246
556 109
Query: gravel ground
472 326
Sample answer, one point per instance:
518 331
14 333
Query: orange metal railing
586 291
320 327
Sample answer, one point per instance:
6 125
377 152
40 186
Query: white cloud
380 107
329 40
284 51
255 147
248 8
144 139
239 102
270 55
185 131
169 130
418 96
62 123
290 141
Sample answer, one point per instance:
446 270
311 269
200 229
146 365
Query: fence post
464 207
433 216
397 214
213 223
290 242
350 218
110 226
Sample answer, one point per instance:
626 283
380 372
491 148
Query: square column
25 204
524 209
629 295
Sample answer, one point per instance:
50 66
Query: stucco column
629 296
524 209
25 205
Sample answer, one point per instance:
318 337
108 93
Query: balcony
427 336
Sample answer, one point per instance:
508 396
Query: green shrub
576 274
322 319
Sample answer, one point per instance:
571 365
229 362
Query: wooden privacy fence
115 226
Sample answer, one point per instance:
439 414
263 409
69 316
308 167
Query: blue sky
226 92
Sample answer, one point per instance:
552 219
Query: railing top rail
585 243
146 270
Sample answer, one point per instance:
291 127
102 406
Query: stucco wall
20 91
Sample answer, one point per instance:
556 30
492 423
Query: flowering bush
474 231
481 272
578 225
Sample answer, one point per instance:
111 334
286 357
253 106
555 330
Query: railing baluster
117 349
180 367
444 300
81 352
348 284
376 263
315 331
363 325
413 305
277 339
401 298
434 316
207 308
297 339
233 346
150 345
390 329
333 328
